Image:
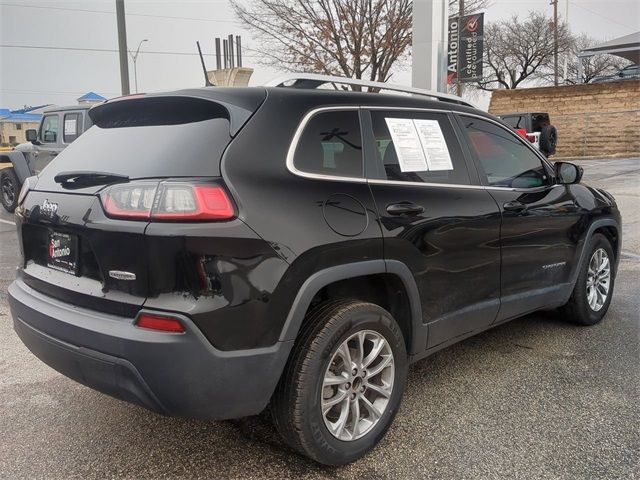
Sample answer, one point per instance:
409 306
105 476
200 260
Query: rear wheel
548 140
9 189
592 293
343 383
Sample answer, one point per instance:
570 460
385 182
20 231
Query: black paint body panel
245 284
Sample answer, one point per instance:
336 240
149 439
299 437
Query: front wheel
592 293
9 189
343 383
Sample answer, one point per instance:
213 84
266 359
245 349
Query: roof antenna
207 82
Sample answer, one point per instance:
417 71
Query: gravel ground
535 398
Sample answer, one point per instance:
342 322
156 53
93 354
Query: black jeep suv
209 252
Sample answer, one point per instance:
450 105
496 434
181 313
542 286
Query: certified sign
471 48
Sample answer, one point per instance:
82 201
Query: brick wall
599 119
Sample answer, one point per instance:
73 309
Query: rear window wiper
75 180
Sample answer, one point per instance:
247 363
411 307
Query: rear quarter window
331 144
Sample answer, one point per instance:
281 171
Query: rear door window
331 144
428 150
72 127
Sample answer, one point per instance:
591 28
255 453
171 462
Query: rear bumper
175 374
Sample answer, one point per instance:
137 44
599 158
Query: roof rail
312 80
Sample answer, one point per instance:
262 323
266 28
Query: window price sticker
420 144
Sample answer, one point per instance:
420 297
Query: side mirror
32 135
568 173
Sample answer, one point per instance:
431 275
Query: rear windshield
140 146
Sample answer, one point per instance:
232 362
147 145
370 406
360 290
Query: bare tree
470 6
352 38
592 67
518 51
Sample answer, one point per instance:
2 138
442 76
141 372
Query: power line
51 92
109 50
85 10
600 15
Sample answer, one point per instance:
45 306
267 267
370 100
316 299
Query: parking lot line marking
7 222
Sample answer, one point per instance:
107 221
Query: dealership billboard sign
466 47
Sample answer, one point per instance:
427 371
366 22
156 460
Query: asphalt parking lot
535 398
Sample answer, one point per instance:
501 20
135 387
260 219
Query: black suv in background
535 127
209 252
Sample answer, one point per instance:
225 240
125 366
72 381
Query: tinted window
331 145
390 168
187 150
515 122
50 129
505 160
72 124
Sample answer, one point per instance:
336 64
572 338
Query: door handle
515 206
404 208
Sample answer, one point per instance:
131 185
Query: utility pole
460 84
122 47
555 42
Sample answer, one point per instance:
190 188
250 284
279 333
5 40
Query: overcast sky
48 74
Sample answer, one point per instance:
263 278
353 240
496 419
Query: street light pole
134 57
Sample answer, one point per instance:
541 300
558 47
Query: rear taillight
130 200
193 202
167 201
157 322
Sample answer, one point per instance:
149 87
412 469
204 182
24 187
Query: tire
9 189
548 140
297 403
579 309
